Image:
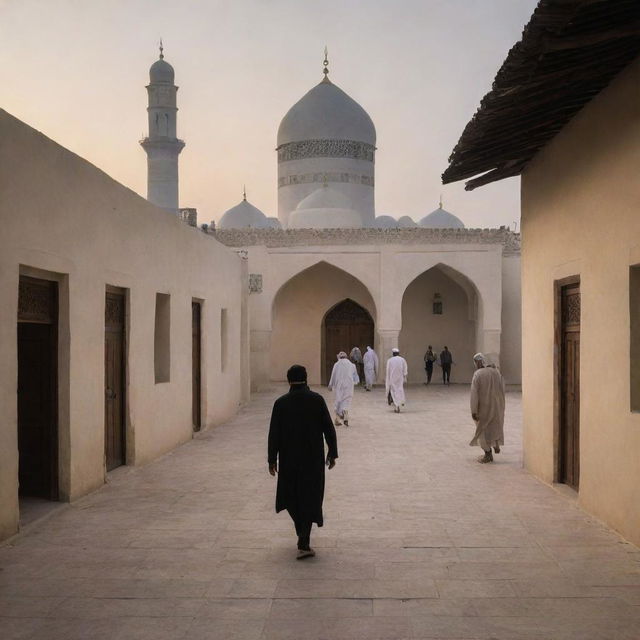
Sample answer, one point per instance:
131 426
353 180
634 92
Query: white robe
487 402
370 366
343 376
396 376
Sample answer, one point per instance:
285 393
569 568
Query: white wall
64 219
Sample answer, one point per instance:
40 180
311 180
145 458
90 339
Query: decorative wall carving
326 149
255 283
322 177
326 237
36 301
114 310
572 309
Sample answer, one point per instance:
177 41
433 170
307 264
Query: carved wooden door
347 325
38 388
196 366
569 436
114 381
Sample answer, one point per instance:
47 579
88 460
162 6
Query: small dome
385 222
161 71
324 198
326 112
273 223
243 215
405 222
441 219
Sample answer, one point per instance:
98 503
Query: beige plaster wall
454 328
298 311
581 216
64 219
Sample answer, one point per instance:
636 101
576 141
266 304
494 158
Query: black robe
299 421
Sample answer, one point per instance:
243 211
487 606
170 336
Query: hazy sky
76 70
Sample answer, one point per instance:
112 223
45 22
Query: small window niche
634 318
224 330
437 304
162 338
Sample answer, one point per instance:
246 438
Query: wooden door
196 365
114 381
38 388
569 435
347 325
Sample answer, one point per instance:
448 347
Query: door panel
347 325
569 435
196 365
114 381
37 388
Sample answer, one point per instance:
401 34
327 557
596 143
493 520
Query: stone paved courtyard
420 541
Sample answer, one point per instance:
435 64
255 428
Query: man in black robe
299 422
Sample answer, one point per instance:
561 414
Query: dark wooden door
114 381
569 436
37 388
347 325
196 364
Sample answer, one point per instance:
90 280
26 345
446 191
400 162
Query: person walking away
343 377
487 407
396 377
355 355
300 424
429 358
371 364
446 360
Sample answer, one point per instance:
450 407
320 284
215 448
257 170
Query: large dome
326 113
244 215
441 219
161 71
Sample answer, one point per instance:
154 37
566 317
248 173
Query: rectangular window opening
223 339
162 338
634 318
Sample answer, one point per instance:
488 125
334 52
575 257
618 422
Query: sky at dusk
76 70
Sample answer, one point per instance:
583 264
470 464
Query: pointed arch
440 306
299 309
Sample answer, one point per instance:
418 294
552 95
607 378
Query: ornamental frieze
326 149
322 177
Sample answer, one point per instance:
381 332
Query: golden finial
161 50
325 64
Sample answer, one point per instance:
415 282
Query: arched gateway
346 325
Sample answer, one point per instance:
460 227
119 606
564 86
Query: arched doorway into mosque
439 307
298 317
345 326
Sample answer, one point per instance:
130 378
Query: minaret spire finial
244 192
161 50
325 64
440 203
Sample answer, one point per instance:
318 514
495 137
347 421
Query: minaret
162 145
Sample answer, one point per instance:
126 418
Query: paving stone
419 542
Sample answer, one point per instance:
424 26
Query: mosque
126 328
327 273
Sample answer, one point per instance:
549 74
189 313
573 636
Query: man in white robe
487 407
343 376
371 365
396 377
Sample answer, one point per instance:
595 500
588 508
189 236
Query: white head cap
395 350
480 357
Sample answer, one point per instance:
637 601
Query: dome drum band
323 177
326 149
